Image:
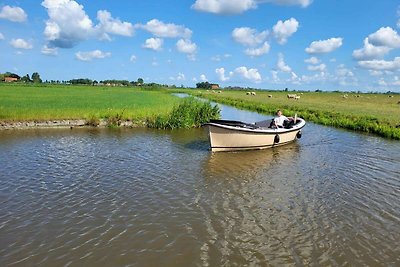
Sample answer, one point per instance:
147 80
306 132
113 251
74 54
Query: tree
26 79
36 78
204 85
140 81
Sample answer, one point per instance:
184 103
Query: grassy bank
372 113
19 102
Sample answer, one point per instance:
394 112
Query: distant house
214 86
10 79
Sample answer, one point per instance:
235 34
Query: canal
142 197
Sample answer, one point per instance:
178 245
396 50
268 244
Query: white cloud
219 57
132 58
68 24
240 6
15 14
221 74
302 3
380 65
112 26
186 46
203 78
1 36
166 30
154 44
88 56
283 30
341 71
385 36
281 65
375 72
275 77
312 60
224 6
49 51
249 74
321 67
21 44
324 46
248 36
257 52
370 51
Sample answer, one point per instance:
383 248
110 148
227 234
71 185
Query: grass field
19 102
373 113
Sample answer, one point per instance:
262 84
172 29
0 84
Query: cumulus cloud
166 30
186 46
221 74
203 78
281 65
224 6
312 60
49 51
132 58
282 30
240 6
324 46
21 44
257 52
248 36
321 67
179 77
154 44
88 56
370 51
14 14
381 65
385 36
249 74
109 25
68 24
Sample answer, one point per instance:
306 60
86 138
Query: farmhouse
10 79
214 86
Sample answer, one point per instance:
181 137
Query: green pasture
19 102
373 113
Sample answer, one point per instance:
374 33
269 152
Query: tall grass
188 114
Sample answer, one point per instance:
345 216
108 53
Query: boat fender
298 135
276 139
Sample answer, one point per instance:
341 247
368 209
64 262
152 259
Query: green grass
19 102
372 113
188 114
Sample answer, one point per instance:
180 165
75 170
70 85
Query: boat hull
228 138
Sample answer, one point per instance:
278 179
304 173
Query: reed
188 114
371 113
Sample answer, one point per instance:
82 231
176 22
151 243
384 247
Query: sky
345 45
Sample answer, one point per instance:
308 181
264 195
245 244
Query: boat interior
265 124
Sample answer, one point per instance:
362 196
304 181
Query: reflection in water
138 197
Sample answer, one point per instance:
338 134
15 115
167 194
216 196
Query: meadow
373 113
20 102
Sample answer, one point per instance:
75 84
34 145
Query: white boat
227 135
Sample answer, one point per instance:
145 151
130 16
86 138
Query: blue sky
269 44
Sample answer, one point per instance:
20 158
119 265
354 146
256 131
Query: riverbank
20 125
370 113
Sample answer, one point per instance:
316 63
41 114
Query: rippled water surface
139 197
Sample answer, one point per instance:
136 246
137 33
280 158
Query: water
140 197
